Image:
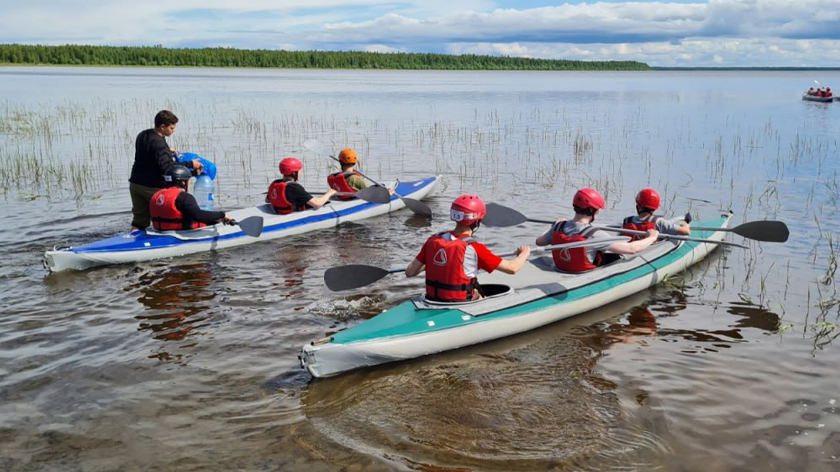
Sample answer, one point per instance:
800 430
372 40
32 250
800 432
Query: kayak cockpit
490 291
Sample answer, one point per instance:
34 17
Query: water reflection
530 402
177 301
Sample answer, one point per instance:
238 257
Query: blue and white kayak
536 296
146 245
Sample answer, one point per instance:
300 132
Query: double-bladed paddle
370 194
763 230
414 205
352 276
252 226
770 231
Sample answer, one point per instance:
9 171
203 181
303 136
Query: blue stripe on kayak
127 242
406 320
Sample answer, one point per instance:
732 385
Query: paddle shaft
661 236
358 171
358 275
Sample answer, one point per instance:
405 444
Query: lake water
191 364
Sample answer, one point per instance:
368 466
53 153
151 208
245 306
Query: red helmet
290 165
467 209
588 198
648 198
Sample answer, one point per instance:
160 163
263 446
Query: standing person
286 195
647 202
452 259
172 208
152 158
347 180
586 203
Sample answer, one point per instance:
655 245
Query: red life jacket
165 216
574 259
338 181
277 198
446 280
628 224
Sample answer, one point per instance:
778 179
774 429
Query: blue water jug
203 192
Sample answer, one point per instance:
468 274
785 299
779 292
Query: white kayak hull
139 246
539 296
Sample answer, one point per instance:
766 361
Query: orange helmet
467 209
648 198
290 165
347 156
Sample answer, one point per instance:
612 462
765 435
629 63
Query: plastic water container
203 192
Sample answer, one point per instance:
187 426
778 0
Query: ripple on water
489 411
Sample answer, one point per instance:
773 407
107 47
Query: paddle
252 226
499 215
764 230
352 276
370 194
414 205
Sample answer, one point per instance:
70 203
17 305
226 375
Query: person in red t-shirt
452 259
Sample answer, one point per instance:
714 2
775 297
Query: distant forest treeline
226 57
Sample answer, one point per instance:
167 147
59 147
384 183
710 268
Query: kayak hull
814 98
540 295
139 246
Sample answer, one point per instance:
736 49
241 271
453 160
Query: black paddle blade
499 215
770 231
417 207
374 194
352 276
252 226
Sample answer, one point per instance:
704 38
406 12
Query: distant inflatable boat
816 98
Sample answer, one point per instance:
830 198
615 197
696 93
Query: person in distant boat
586 203
828 92
286 195
152 158
347 180
811 91
172 208
647 202
452 259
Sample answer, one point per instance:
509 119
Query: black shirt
297 195
152 158
188 206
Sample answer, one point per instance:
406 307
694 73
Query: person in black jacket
152 158
172 208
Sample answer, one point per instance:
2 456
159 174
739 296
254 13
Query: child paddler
586 203
452 259
647 202
286 195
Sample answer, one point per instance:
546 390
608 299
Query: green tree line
228 57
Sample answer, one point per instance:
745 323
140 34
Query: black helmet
177 174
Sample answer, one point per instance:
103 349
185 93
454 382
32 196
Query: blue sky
802 33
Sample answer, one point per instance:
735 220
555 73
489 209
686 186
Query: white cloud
718 32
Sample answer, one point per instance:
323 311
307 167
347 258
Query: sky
681 33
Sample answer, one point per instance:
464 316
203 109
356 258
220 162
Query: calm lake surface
191 364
